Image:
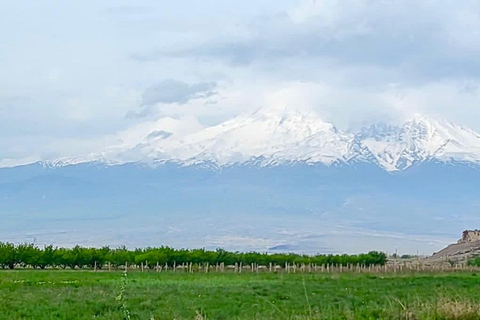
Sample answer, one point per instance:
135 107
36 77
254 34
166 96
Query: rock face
467 247
470 236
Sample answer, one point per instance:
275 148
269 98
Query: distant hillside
297 207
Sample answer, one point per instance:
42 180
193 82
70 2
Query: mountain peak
266 133
421 139
279 135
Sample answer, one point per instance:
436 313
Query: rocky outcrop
470 236
467 247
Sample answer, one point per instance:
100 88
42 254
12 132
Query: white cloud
365 61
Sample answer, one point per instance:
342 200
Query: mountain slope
309 207
418 140
278 137
271 137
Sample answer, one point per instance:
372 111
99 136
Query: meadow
85 294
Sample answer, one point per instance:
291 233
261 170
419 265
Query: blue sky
73 74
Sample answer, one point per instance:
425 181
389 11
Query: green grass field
53 294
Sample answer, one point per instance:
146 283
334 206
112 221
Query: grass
27 294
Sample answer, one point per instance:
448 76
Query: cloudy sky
75 73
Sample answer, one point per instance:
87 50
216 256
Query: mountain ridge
271 137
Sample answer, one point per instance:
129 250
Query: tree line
32 256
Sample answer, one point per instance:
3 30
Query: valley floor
53 294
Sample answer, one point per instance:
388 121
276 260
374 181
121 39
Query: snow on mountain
70 161
280 136
269 136
152 141
277 137
418 140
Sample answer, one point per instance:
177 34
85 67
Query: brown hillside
467 247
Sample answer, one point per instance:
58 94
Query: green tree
8 255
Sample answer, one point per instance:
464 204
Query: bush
474 262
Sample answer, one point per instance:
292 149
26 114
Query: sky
75 74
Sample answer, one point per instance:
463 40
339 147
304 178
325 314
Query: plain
55 294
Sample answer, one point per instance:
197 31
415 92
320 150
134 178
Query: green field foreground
55 294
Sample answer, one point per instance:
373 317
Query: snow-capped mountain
271 137
256 174
418 140
274 137
277 137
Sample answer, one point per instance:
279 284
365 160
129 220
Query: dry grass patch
443 309
457 310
